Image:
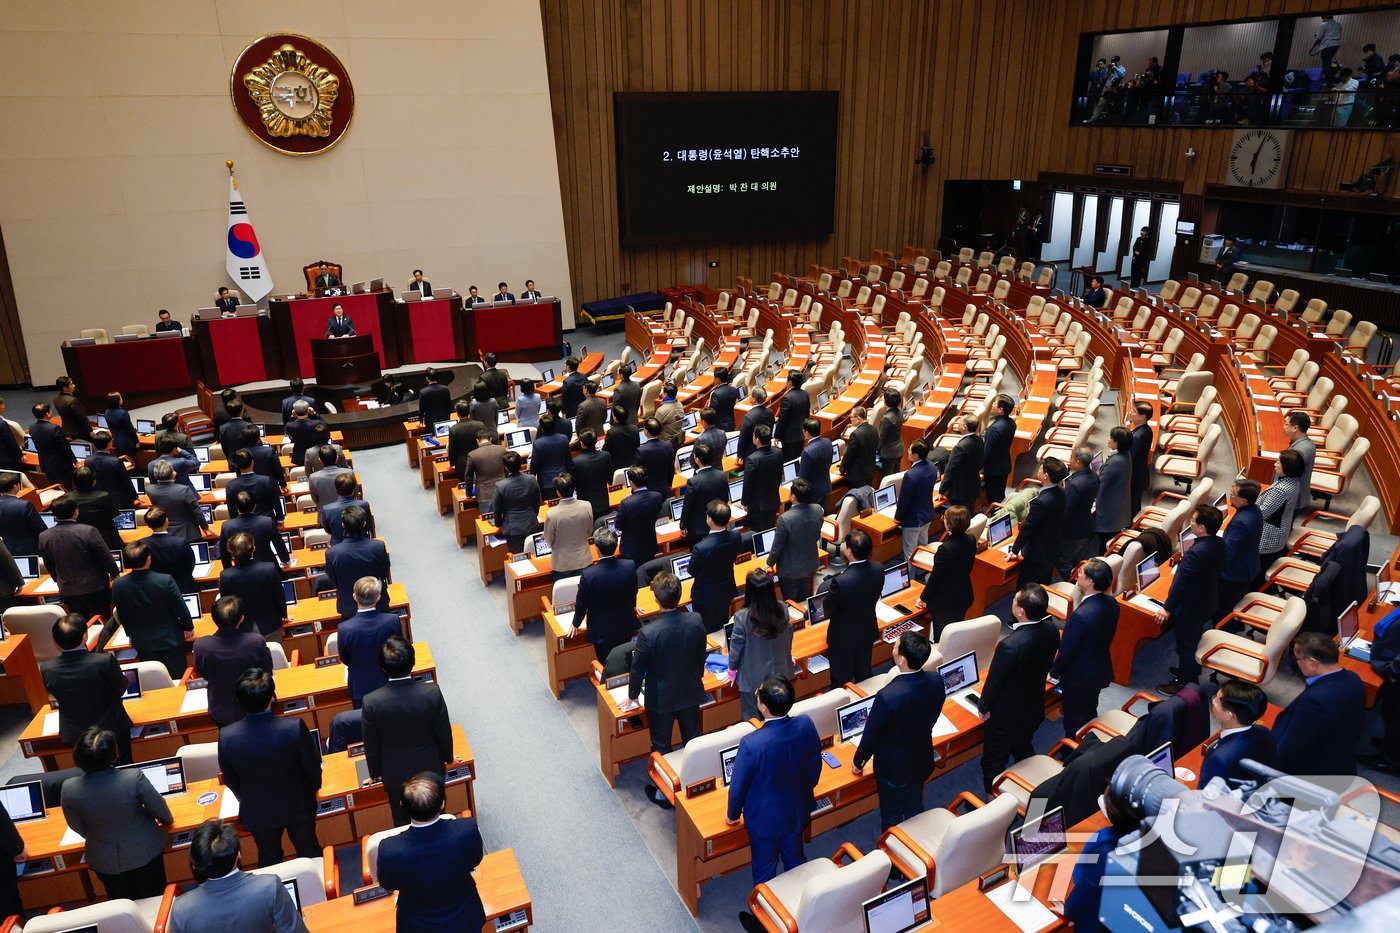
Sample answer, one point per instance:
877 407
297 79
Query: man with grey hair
301 430
181 502
607 598
760 413
360 637
1081 489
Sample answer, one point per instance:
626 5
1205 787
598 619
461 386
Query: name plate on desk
372 892
298 705
355 750
328 661
319 546
700 787
329 594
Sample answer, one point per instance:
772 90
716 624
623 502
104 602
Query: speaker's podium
344 361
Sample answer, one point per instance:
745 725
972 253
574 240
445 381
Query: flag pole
232 177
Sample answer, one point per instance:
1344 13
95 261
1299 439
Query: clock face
1256 159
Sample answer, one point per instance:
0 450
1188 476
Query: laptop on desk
202 563
886 499
999 532
789 470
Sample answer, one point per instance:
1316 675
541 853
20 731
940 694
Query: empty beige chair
279 656
151 675
984 282
651 391
1190 298
942 270
1046 277
1314 311
1314 542
1237 282
308 873
949 849
1007 265
920 288
1021 779
1244 658
1247 331
823 895
1123 309
314 536
1170 289
1262 291
200 760
980 635
921 265
964 276
1359 343
1263 344
984 259
1026 271
1187 469
965 255
1002 289
37 623
1338 323
1338 441
140 330
1184 391
1332 483
698 760
822 709
116 916
1291 371
1287 300
1228 317
897 280
1296 395
1167 354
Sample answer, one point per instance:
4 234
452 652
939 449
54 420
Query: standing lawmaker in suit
914 509
816 460
258 586
763 476
1081 487
268 546
592 470
430 864
850 608
1242 537
1237 706
70 409
571 388
229 899
777 769
760 641
947 593
361 638
1142 452
263 490
758 413
20 524
1038 543
1191 601
607 598
407 729
636 518
124 437
905 711
962 475
11 453
1013 697
793 409
515 503
152 611
357 556
996 462
796 552
550 455
622 439
1114 502
1084 666
273 766
858 462
88 687
180 502
56 458
435 401
657 457
109 472
567 527
1319 731
95 508
78 559
722 399
712 567
223 657
169 554
706 484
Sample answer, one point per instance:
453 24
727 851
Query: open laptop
1096 464
441 428
167 775
29 445
202 482
736 490
515 440
999 531
503 417
901 909
822 400
1161 756
28 565
546 375
1147 572
690 420
677 505
201 454
207 511
763 542
202 560
727 757
48 518
851 718
24 801
101 421
1033 842
731 446
410 295
959 675
138 483
80 450
133 684
542 548
290 884
790 471
896 579
1348 624
191 601
145 426
680 566
816 609
289 592
886 499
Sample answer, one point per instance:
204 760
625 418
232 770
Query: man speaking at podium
339 325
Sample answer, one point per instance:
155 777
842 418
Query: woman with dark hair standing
947 593
527 405
891 441
760 644
120 815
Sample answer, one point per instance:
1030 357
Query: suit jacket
628 394
485 466
340 326
763 474
55 456
221 658
303 435
962 480
75 419
636 524
461 441
112 478
815 467
705 486
850 607
172 555
914 508
11 582
291 400
1308 451
1083 662
332 516
658 458
1038 541
567 527
516 504
431 868
88 687
231 436
434 404
905 710
358 641
181 504
571 392
124 437
607 600
670 662
671 416
621 444
1318 733
592 471
777 769
77 557
183 464
424 286
948 589
503 296
712 566
241 902
715 437
858 463
592 415
351 559
151 610
272 765
1015 686
20 525
484 411
797 542
117 813
327 280
550 456
1242 544
793 409
891 439
321 484
407 730
996 442
497 385
1113 508
1142 456
96 509
722 400
259 585
1195 585
1223 756
759 414
11 454
267 540
268 462
263 490
1081 487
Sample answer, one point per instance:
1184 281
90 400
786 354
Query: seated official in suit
657 457
1013 697
78 559
430 863
636 518
221 659
530 293
1084 665
268 544
622 440
360 638
347 488
760 642
474 297
567 527
109 472
592 471
96 509
263 490
947 593
151 610
420 284
358 555
273 766
180 502
1318 733
230 899
164 322
258 588
796 552
226 303
88 687
852 626
708 484
774 775
390 391
516 503
763 476
122 820
20 524
56 458
712 567
325 278
1237 706
550 454
339 324
1038 541
607 598
502 293
914 508
169 554
905 711
407 729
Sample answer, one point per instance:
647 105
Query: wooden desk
20 681
1137 625
994 575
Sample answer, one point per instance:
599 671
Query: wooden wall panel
988 82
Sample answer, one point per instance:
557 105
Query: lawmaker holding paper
339 325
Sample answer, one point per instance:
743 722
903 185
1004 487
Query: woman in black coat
948 591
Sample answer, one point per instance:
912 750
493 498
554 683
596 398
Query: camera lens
1139 787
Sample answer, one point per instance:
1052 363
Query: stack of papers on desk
51 723
228 805
565 619
1021 908
944 728
495 540
887 613
619 694
48 588
818 663
195 701
668 528
70 837
1145 602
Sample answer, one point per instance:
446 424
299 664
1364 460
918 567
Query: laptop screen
517 439
167 775
28 566
816 609
959 673
1096 464
727 758
851 718
898 910
133 684
546 375
145 426
896 579
290 886
690 420
192 604
440 428
48 519
1033 843
126 520
680 566
886 497
1147 571
102 422
200 549
731 446
201 454
790 471
502 417
138 483
542 548
289 592
676 506
81 451
822 400
1348 623
30 446
763 541
736 491
23 801
999 530
201 482
1161 756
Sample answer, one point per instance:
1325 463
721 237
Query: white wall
117 122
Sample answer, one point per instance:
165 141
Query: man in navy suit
760 413
706 485
223 657
710 432
333 513
257 584
850 607
268 545
360 638
636 518
357 556
1237 706
1083 667
1192 599
1013 696
1241 546
20 524
430 863
1081 489
815 463
607 597
905 711
231 431
56 457
996 443
962 471
712 566
1319 731
169 554
763 477
1038 543
266 461
109 472
297 389
914 509
272 764
571 389
339 324
657 457
723 398
263 490
1142 452
774 775
182 461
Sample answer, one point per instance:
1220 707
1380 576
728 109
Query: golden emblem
294 95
